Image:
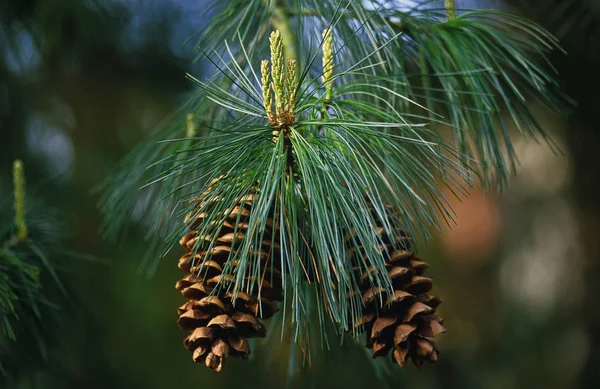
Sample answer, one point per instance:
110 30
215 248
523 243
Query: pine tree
315 157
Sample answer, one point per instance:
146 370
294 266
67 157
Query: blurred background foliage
81 82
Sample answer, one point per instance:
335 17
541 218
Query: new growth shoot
328 64
19 183
281 78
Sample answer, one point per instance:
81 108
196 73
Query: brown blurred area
82 82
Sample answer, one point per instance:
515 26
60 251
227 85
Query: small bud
190 130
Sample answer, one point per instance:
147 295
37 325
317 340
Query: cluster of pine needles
404 105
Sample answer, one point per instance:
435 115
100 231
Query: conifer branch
32 250
381 150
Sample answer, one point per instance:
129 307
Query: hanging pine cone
219 324
406 321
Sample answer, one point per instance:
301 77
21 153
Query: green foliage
399 77
482 106
28 276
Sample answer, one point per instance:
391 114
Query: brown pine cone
406 321
219 322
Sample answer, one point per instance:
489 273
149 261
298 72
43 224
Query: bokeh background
81 82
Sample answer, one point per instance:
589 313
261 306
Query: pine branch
31 288
377 153
326 163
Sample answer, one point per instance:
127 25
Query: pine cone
406 321
219 324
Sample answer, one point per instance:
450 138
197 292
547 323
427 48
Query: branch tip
19 183
328 62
